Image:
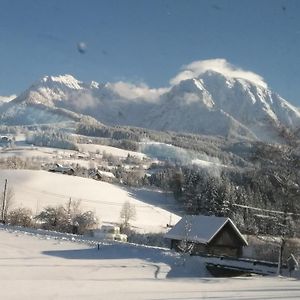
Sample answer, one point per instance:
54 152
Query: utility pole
4 202
282 183
283 241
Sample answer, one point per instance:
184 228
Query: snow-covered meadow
101 149
36 266
38 189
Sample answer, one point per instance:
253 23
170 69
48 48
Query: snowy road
42 268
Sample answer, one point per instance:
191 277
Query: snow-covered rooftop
202 229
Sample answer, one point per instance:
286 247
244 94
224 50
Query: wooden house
207 235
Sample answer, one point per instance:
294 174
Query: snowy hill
219 101
38 189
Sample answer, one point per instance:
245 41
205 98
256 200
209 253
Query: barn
207 235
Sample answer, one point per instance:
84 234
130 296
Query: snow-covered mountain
217 104
51 89
59 95
39 103
212 103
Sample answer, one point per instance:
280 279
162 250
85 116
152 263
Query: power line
266 210
112 203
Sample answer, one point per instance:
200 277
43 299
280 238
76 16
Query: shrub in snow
20 217
68 218
149 239
53 218
85 221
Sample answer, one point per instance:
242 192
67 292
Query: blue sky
148 41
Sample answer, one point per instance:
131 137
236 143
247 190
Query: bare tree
128 212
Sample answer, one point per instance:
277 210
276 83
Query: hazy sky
148 41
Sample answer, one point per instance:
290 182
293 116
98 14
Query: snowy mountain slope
220 105
189 107
4 99
212 103
251 104
28 114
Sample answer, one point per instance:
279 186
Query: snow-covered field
39 267
38 189
109 150
25 150
169 152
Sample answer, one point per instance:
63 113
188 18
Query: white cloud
196 68
7 98
82 100
133 91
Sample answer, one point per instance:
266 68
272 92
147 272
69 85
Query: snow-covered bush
68 218
21 216
149 239
53 218
85 221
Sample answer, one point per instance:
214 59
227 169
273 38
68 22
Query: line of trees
52 138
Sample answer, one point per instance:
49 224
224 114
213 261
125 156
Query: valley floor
41 267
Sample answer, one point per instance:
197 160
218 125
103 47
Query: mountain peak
220 67
219 78
61 80
95 85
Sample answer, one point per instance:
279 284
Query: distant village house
58 168
5 140
102 175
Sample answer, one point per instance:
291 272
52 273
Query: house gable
228 237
